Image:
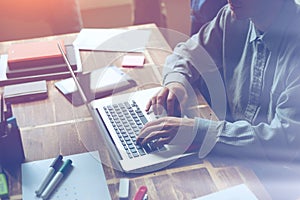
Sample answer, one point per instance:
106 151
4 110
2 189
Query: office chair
25 19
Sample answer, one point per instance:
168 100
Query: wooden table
53 126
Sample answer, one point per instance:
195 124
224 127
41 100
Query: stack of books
37 58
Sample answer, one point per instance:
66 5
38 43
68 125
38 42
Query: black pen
54 167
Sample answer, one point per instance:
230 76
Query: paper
122 40
85 181
234 193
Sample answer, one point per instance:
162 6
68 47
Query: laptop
119 119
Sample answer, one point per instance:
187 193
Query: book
34 54
45 69
4 80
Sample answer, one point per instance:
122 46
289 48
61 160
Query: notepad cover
34 54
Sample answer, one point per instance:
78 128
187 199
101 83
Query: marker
56 179
54 167
3 184
141 194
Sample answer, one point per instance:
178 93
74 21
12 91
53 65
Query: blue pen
54 167
56 179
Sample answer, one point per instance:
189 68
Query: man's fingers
162 141
171 103
146 130
150 129
160 102
156 135
148 105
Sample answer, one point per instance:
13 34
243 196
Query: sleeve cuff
175 77
209 132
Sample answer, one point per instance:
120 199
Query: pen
56 179
51 171
141 194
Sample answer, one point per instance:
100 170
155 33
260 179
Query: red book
34 54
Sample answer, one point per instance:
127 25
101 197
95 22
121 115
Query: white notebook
85 181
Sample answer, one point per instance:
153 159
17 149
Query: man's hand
166 130
170 99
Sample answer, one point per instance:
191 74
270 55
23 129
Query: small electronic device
25 92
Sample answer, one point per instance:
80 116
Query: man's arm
200 54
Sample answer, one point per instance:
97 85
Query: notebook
34 54
85 181
119 119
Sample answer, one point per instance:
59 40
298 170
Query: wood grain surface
53 126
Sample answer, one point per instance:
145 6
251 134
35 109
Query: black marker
56 179
54 167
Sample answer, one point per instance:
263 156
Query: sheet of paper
234 193
85 181
122 40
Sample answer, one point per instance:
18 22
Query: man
255 45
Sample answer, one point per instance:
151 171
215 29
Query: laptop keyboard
127 119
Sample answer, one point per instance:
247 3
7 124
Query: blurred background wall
114 13
21 19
